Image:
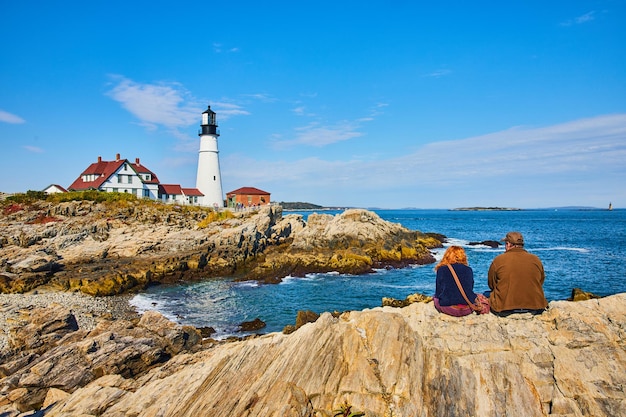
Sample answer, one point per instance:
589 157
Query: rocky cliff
112 248
386 361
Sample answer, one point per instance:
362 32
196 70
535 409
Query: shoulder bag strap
458 284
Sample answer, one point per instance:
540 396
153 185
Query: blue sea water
579 248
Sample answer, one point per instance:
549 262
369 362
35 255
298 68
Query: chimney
99 159
117 156
137 161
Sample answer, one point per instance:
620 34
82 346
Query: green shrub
28 197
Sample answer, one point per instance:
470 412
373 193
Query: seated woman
448 298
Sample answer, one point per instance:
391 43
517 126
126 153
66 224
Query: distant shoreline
486 209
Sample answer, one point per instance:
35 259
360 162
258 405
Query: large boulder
354 242
47 349
386 361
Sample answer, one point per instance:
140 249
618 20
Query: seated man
516 280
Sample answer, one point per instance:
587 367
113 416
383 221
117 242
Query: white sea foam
287 280
143 303
455 242
251 284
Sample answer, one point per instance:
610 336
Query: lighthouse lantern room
209 124
209 180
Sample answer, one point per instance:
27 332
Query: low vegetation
214 216
345 410
24 201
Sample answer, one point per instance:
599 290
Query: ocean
580 248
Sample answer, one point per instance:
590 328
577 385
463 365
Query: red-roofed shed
247 197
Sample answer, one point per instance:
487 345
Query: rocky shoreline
114 248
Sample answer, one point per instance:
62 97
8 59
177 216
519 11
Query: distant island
486 209
298 205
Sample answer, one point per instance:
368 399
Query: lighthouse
209 180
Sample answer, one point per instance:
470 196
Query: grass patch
215 216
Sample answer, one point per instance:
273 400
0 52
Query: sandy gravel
86 308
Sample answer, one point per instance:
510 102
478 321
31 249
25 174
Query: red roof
171 189
192 192
248 191
104 170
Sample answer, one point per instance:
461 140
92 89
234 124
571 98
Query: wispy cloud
438 73
33 149
7 117
587 17
563 155
162 104
218 48
266 98
319 136
227 109
316 135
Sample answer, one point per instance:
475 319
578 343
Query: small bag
482 302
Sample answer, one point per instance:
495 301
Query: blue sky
344 103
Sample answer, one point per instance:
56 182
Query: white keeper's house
123 176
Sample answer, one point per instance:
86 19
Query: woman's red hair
453 255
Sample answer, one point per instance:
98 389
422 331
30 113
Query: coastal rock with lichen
106 249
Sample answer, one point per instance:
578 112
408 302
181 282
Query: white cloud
168 105
7 117
33 149
162 104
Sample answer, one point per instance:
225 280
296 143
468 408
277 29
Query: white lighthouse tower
209 180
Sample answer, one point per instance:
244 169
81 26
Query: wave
562 248
249 284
